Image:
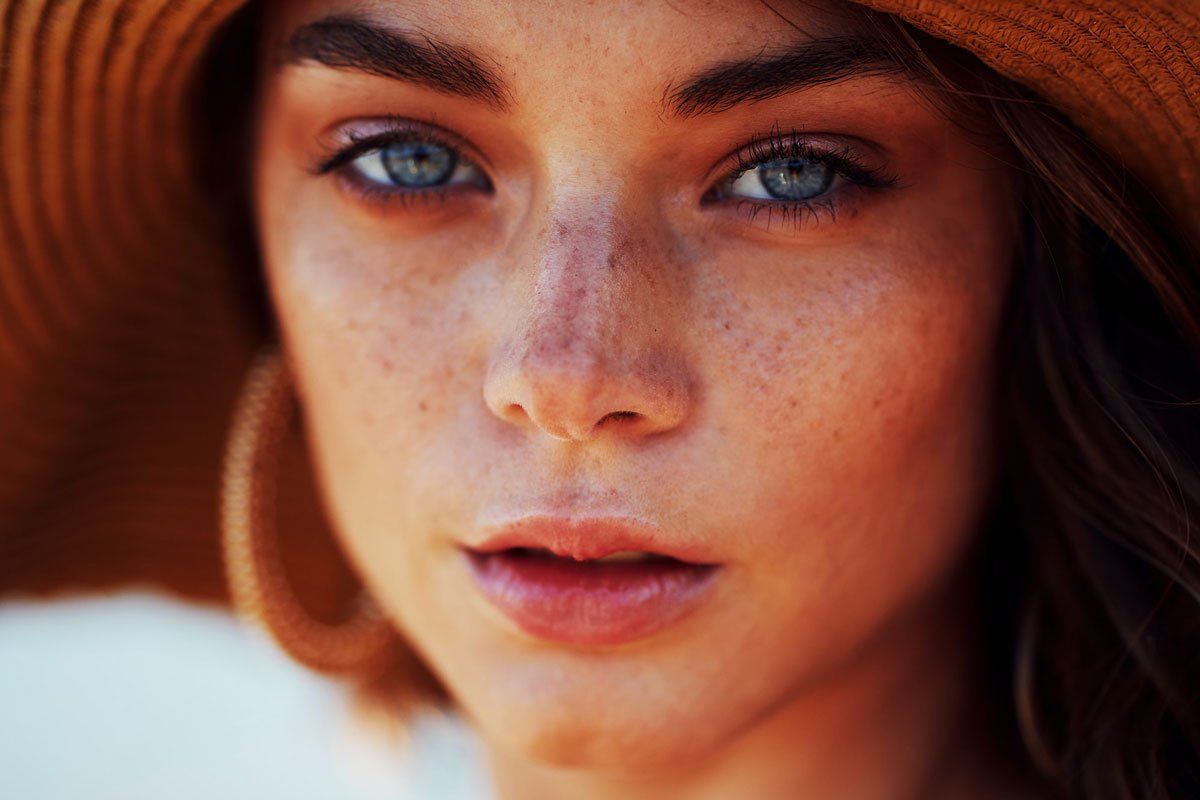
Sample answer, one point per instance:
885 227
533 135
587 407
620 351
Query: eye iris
418 164
796 179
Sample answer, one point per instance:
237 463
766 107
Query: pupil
796 179
418 164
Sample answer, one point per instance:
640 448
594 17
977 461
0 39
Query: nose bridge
586 353
576 305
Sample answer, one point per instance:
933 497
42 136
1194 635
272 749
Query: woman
712 399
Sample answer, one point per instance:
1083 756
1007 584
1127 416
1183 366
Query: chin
581 741
580 722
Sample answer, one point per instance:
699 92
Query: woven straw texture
124 333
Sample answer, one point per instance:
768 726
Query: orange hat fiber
125 321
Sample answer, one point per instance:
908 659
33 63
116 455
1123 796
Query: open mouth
619 597
619 557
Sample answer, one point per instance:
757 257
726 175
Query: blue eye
415 164
791 179
418 164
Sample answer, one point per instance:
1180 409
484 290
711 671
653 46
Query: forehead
607 49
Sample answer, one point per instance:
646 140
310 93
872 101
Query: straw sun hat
127 320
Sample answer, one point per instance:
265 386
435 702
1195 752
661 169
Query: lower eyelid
796 215
368 167
839 205
384 197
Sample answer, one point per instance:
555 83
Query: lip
542 573
585 538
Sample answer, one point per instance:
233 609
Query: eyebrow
770 75
347 43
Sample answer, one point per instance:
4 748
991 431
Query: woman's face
686 278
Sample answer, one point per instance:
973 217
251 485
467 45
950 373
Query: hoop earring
254 572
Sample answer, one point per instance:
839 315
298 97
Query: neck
900 721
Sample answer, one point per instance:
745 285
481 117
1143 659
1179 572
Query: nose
589 345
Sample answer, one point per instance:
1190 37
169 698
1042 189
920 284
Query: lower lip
588 603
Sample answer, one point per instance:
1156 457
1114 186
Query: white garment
139 697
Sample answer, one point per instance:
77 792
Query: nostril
575 402
515 413
617 416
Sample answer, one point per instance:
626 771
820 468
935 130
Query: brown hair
1090 589
1100 392
1090 571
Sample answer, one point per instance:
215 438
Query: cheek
375 332
857 420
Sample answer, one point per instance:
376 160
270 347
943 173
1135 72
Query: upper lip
583 538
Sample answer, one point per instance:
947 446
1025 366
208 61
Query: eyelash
777 146
760 150
398 130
